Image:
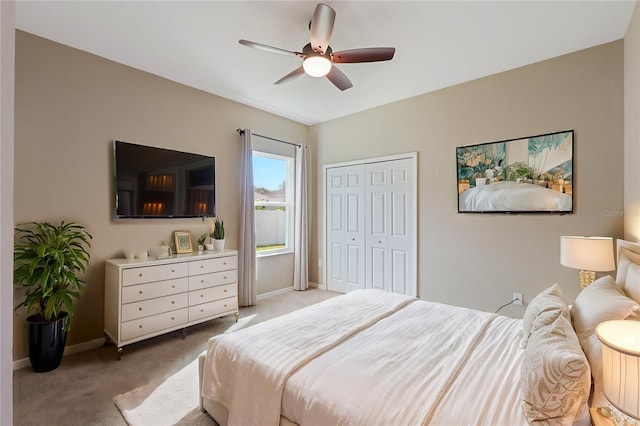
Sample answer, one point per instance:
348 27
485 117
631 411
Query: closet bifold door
390 226
345 228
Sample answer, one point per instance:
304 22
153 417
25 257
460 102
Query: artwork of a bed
371 357
526 175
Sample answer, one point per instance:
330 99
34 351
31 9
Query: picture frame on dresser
183 242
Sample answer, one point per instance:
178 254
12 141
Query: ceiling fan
319 58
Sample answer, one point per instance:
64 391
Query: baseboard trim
80 347
274 293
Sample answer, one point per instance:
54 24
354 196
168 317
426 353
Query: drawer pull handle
140 292
173 270
225 305
202 281
224 263
202 295
140 273
172 318
225 290
173 286
140 309
201 310
225 277
173 302
201 266
140 326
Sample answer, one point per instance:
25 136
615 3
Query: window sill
274 253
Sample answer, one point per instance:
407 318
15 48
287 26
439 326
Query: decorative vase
209 246
481 181
200 249
46 342
218 245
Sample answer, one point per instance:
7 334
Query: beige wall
69 107
7 59
632 128
480 260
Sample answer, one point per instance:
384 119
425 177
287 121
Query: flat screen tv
155 182
533 174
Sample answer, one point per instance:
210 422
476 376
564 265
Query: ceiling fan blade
270 49
368 54
338 78
291 76
322 27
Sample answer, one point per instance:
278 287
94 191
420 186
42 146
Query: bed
371 357
509 196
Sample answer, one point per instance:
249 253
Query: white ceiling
438 43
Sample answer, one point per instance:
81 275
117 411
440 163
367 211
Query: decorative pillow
555 378
601 301
625 258
543 310
632 283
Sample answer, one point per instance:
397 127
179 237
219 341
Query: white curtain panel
300 244
247 246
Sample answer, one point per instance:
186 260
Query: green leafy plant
47 260
519 170
218 229
201 239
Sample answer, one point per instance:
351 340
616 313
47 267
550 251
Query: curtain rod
240 131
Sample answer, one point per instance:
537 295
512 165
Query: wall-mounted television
153 182
533 174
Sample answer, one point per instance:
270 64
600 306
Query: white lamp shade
587 253
316 66
621 364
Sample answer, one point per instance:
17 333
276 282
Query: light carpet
173 401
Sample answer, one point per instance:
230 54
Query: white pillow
632 283
625 258
555 375
544 309
601 301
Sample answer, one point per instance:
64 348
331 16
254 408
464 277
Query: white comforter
511 196
397 361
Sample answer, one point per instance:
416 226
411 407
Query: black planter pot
46 342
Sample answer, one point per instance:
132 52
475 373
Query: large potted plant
47 260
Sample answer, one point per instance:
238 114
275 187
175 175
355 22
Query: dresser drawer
213 279
149 274
135 293
213 265
213 309
145 308
154 323
212 293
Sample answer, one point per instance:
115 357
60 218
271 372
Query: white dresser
146 298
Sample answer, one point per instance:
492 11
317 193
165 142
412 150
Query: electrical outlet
518 298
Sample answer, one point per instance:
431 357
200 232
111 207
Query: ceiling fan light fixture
317 66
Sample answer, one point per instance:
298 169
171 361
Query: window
273 181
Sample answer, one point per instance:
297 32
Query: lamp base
618 418
586 278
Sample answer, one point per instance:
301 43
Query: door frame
413 156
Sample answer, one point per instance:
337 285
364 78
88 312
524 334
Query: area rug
173 401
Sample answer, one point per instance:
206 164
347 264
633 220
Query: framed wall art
526 175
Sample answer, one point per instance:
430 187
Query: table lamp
588 254
621 369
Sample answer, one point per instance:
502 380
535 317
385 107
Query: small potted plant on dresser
47 260
218 234
201 241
